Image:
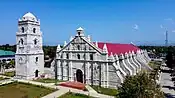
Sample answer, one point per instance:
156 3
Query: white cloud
161 26
169 19
173 31
136 27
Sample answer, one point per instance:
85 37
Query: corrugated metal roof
118 48
4 53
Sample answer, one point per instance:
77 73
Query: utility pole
166 39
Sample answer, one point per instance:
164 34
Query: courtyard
23 90
74 95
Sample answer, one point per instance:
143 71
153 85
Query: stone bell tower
29 57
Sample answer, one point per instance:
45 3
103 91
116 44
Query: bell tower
29 57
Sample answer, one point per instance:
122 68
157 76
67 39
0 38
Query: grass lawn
74 95
47 80
23 90
106 91
10 74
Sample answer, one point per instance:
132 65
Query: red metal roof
116 48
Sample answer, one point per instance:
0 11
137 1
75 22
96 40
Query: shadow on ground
167 95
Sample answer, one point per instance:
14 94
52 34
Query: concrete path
90 89
62 90
2 82
56 94
166 83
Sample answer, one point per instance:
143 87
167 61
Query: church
98 63
81 59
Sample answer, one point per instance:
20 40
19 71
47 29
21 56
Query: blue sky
118 21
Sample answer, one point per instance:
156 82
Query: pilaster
70 68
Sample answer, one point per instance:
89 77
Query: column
71 76
107 75
99 74
92 72
88 73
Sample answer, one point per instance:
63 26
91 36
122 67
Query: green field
73 95
23 90
106 91
48 80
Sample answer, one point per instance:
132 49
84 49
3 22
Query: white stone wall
29 54
97 67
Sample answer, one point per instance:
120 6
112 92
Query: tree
11 64
140 86
169 59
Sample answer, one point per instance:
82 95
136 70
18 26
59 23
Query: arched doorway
79 75
36 73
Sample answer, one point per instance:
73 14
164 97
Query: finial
65 43
80 29
96 44
89 38
105 48
58 47
71 38
111 55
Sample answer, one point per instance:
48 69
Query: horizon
141 22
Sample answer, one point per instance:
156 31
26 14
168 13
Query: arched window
78 47
20 59
36 59
35 41
21 41
67 56
78 56
91 56
34 30
78 33
22 29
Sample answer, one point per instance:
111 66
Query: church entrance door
79 75
36 73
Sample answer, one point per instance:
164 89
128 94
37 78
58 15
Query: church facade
98 63
29 57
